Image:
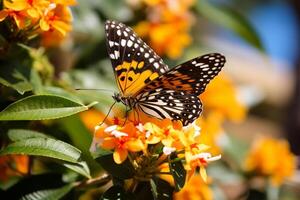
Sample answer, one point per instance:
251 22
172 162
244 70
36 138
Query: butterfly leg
126 114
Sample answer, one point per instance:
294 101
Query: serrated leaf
121 171
41 107
178 172
50 194
47 147
21 134
230 19
114 193
161 189
79 167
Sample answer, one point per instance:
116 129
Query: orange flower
18 16
57 18
195 189
167 26
55 24
13 165
221 97
271 157
65 2
162 137
91 118
121 140
212 131
33 8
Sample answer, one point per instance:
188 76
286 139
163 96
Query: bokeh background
251 111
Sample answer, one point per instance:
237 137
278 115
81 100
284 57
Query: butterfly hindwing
135 64
191 76
173 104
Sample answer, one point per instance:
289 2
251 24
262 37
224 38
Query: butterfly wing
135 64
192 76
173 104
174 95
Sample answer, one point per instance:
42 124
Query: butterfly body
147 84
127 101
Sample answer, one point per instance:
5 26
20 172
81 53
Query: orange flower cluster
136 140
13 165
221 104
271 157
167 26
50 18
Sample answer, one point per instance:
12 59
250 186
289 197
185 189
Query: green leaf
161 189
230 19
80 137
41 107
21 87
80 167
50 194
36 82
22 134
178 172
114 193
47 147
121 171
57 91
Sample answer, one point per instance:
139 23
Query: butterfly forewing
135 64
191 76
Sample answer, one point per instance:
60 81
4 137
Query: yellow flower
212 130
271 157
167 27
150 143
34 8
121 140
55 25
195 189
57 18
13 165
220 96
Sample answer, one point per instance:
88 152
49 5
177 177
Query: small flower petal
169 150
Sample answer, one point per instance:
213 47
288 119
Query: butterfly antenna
106 116
105 90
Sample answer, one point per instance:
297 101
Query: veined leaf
228 18
50 194
47 147
57 91
41 107
79 167
21 134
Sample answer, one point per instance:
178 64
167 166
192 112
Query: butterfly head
127 101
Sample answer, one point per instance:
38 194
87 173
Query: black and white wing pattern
167 103
192 76
174 95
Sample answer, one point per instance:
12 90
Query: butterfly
147 84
